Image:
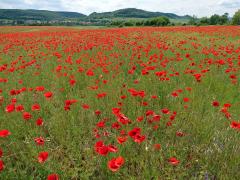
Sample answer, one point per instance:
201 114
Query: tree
215 19
139 23
158 21
236 18
193 20
224 19
204 21
129 23
116 23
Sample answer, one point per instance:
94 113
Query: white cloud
230 4
180 7
29 2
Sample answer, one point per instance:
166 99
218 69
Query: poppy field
126 103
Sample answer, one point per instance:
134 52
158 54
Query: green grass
210 148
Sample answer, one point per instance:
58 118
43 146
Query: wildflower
42 157
1 165
173 161
4 133
215 103
115 163
53 177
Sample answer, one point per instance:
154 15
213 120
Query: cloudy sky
180 7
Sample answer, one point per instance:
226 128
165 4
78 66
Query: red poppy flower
235 125
97 112
101 124
123 97
1 152
157 146
187 55
19 108
35 107
1 165
120 103
154 97
139 138
140 118
116 125
112 148
115 163
42 157
141 94
180 134
67 108
227 105
39 141
198 77
39 122
101 149
26 115
53 177
48 94
215 103
121 140
165 111
174 161
85 106
101 95
186 99
90 73
116 111
13 92
149 112
169 123
10 108
4 133
156 117
136 131
72 82
39 88
175 94
13 100
172 117
136 81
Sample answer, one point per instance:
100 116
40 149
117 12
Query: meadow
124 103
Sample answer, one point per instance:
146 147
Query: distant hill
135 13
45 17
41 15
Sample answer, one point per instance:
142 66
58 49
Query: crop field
129 103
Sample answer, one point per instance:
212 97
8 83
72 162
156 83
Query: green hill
41 15
45 17
135 13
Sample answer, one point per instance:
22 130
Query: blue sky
180 7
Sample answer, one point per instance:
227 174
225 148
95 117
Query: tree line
164 21
158 21
216 20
